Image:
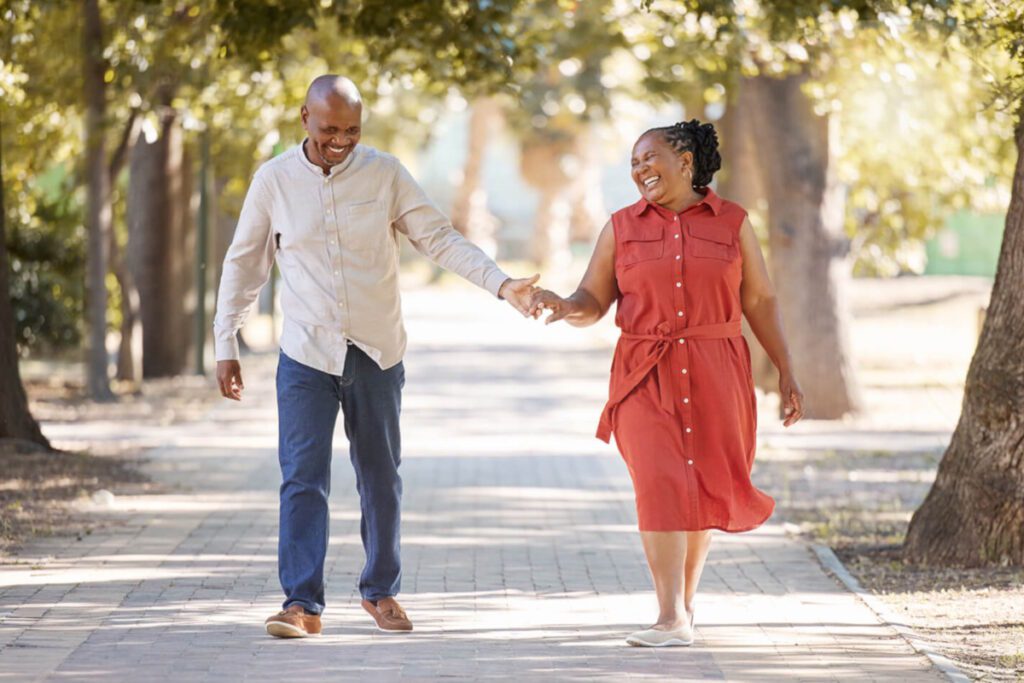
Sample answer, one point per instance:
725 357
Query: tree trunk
159 235
129 353
974 513
740 181
16 421
809 253
542 163
470 214
98 209
588 213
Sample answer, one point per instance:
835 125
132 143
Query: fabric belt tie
662 343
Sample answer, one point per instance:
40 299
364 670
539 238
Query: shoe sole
675 642
279 629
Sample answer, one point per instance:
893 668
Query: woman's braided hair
700 139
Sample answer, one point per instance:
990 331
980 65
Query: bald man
329 212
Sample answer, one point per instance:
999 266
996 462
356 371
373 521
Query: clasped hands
531 301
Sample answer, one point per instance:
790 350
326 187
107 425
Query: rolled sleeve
247 268
431 233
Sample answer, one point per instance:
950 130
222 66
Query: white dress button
678 257
676 236
689 462
686 400
684 371
682 341
679 284
679 314
688 430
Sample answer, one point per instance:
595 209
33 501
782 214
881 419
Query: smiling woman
683 266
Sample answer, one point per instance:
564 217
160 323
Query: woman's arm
595 294
761 308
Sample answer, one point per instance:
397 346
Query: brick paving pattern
521 557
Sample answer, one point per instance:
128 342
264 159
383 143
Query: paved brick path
521 556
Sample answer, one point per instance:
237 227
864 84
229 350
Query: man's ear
305 116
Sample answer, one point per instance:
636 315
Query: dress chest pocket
640 243
710 240
365 225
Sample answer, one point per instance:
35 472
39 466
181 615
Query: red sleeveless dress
681 398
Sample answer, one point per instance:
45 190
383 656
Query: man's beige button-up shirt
335 240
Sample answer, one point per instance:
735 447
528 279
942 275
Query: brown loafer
294 622
388 614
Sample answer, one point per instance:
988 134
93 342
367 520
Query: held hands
792 399
558 306
229 379
518 293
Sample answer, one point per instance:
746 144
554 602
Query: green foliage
48 274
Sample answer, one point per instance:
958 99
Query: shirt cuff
494 281
226 349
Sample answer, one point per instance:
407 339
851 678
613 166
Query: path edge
831 563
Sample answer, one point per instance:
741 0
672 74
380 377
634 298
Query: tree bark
740 181
974 513
98 209
16 421
809 253
160 246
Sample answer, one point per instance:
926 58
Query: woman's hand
792 399
558 306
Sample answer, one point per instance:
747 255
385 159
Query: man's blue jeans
307 407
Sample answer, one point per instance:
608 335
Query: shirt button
689 462
682 341
679 284
684 371
678 257
679 314
688 430
676 236
337 272
686 400
341 304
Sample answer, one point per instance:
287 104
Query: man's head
332 117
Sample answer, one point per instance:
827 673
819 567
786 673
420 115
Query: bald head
330 89
332 117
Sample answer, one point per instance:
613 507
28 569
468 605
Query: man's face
334 127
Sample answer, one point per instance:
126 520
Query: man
328 212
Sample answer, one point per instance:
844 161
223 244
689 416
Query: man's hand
229 377
518 293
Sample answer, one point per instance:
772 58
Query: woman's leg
666 557
698 543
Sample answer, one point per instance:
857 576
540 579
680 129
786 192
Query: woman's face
660 173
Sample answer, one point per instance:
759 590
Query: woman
683 264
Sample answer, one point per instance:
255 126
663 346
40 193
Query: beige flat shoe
654 638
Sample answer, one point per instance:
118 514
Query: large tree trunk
16 422
974 513
161 245
98 209
470 214
809 253
740 181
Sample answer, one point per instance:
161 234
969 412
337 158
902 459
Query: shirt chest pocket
708 240
640 243
365 225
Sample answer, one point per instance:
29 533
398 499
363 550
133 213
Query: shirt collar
335 170
713 201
